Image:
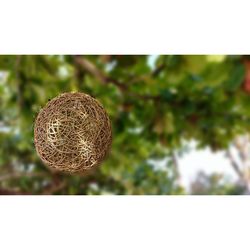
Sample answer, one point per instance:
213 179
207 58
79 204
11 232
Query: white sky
204 160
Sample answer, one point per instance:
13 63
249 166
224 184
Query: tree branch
176 168
57 184
234 164
158 70
19 80
4 191
104 79
20 175
91 68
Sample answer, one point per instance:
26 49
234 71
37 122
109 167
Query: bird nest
72 133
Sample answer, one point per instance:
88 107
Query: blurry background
180 123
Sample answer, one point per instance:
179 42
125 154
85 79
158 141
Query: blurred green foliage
156 103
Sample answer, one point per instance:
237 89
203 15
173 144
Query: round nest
72 133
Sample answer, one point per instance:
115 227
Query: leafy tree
214 184
156 104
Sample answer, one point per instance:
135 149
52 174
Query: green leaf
236 77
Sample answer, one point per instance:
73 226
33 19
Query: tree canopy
157 104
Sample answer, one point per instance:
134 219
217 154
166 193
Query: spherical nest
72 133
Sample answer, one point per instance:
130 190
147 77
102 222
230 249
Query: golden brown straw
72 133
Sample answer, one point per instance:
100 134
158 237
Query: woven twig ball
72 133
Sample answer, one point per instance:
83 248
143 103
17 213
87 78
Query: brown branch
57 184
158 70
234 164
20 175
176 168
91 68
18 76
97 73
241 146
120 85
79 75
10 176
4 191
104 79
